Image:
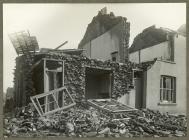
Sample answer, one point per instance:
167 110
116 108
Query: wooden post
45 90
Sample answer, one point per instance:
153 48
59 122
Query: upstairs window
168 89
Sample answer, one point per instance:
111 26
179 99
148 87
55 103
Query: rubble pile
85 121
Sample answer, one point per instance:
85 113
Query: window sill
166 104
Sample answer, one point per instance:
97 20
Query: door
138 89
138 93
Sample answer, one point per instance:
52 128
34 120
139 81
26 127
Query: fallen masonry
86 121
74 96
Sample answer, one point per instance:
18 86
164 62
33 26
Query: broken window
52 101
168 89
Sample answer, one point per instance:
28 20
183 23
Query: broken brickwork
74 69
74 76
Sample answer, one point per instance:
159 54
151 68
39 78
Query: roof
149 37
182 30
66 51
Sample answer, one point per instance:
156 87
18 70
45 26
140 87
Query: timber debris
86 121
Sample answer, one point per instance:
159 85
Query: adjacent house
107 37
163 85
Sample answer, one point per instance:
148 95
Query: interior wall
98 85
104 81
92 87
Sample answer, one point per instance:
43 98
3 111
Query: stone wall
74 69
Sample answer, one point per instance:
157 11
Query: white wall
147 54
178 70
102 46
105 44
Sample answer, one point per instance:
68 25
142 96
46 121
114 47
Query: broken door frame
45 70
52 92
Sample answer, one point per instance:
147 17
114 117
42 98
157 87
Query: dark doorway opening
138 76
99 83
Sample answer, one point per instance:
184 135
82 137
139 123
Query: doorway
138 78
98 83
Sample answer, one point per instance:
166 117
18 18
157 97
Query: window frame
165 96
39 106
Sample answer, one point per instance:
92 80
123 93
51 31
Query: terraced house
163 84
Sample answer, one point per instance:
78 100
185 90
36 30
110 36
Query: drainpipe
139 56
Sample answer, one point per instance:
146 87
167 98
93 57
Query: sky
54 24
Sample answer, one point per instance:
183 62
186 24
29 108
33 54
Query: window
114 56
52 101
168 89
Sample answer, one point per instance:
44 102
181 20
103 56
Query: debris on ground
90 122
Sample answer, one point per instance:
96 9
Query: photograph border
87 2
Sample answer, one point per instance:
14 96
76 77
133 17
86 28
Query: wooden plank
55 99
36 64
52 59
49 92
109 110
63 73
53 70
35 106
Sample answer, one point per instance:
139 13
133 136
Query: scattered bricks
84 122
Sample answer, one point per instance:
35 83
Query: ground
86 121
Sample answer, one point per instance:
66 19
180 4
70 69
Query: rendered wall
104 45
109 42
157 51
178 70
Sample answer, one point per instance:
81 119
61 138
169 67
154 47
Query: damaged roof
99 25
145 65
149 37
182 30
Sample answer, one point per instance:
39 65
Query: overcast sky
53 24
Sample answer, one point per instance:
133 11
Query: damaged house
62 80
163 85
107 37
103 88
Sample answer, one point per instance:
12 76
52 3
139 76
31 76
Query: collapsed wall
75 76
74 70
109 33
23 84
